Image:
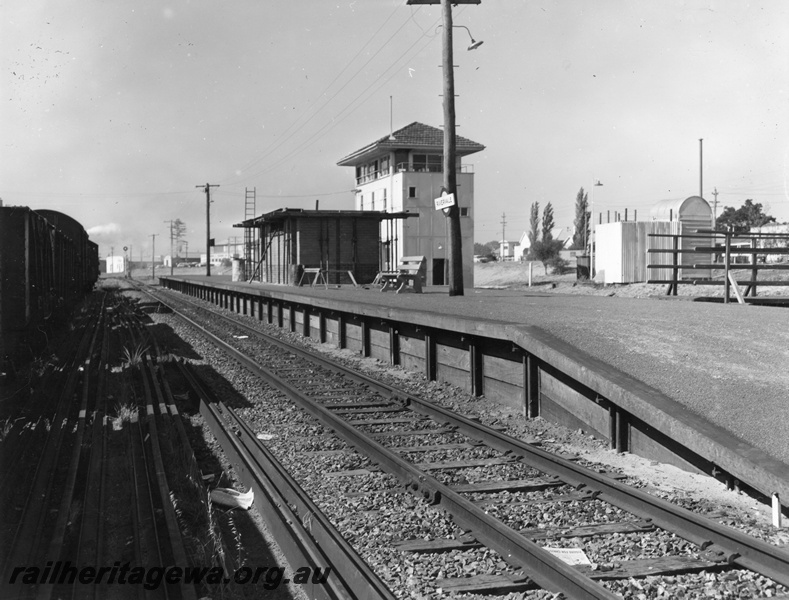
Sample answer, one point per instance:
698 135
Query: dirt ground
515 275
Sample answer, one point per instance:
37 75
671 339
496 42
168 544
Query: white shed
115 264
622 247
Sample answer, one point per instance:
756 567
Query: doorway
439 268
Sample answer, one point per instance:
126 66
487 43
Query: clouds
143 103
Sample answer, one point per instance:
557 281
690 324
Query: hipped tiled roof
416 136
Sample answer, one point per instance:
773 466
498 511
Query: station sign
444 201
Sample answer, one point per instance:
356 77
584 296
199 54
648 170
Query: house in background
507 250
565 234
403 172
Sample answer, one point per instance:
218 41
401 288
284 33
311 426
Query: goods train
47 264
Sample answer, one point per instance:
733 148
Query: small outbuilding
622 248
693 213
344 244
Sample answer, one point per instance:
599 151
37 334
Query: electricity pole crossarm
207 188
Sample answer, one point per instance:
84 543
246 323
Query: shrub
558 265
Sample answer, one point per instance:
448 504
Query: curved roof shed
693 212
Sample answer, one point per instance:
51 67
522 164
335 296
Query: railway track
485 513
89 484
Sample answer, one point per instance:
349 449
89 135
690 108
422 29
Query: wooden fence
722 249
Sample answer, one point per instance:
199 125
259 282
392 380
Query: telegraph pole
153 255
450 175
207 188
715 208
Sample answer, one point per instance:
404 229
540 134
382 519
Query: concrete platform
728 365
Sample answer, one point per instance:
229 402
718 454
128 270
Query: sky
118 113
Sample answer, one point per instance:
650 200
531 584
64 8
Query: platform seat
407 277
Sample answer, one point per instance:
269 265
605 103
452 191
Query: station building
403 173
342 244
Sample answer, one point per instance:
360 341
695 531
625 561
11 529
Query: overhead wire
285 137
349 109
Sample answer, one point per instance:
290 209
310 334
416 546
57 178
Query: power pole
715 209
503 237
153 255
450 176
207 188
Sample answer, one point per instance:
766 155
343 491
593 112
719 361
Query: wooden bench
410 270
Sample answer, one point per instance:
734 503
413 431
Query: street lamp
474 43
455 262
597 183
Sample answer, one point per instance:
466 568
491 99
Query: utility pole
715 209
153 255
503 224
450 176
207 188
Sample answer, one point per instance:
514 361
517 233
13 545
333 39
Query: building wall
621 250
340 244
337 245
426 235
115 264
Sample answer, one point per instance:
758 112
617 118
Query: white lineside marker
776 511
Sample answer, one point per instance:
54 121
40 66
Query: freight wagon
47 264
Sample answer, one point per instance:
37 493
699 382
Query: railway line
481 507
87 484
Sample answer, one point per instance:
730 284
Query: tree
582 220
177 231
547 222
742 219
480 249
534 226
546 251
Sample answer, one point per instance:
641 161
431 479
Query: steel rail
542 567
58 532
306 538
723 542
28 536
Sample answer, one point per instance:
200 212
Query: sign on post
444 201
